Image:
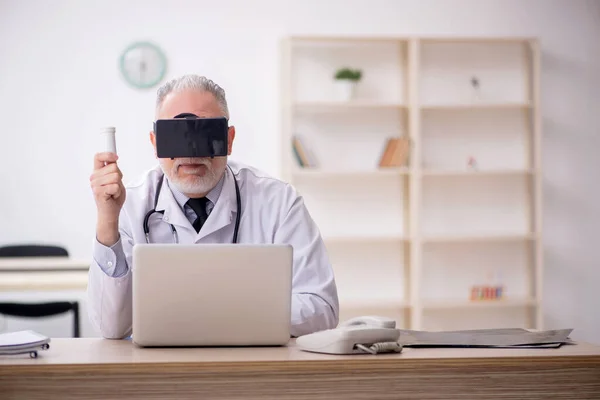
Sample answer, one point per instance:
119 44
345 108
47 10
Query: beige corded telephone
361 335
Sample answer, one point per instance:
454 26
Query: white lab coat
272 212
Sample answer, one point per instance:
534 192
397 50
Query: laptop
211 294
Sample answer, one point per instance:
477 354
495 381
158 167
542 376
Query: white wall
59 83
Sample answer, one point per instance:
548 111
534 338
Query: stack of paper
498 338
23 342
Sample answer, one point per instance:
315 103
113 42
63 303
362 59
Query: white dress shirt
272 212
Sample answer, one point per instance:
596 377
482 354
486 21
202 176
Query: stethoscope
174 231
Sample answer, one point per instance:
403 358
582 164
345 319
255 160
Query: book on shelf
303 155
395 152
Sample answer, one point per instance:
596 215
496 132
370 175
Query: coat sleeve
109 285
314 294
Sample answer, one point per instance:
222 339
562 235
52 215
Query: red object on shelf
487 292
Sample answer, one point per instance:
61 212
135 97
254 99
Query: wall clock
143 65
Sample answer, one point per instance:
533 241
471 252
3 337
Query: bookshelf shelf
462 304
475 40
475 106
478 238
350 174
353 106
375 303
477 174
456 122
366 239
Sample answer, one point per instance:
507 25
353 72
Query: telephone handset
360 335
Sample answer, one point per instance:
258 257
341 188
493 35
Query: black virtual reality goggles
188 135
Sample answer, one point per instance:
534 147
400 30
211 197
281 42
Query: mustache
189 161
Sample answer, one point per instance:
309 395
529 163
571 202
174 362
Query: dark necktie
199 207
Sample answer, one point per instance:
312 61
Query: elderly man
198 198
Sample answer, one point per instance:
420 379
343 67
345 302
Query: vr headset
187 135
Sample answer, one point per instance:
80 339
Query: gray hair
194 82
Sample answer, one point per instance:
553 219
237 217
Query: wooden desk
42 274
106 369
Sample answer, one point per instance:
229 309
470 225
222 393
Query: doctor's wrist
107 233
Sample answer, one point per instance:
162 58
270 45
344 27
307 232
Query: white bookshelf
410 242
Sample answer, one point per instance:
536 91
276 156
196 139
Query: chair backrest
38 310
33 250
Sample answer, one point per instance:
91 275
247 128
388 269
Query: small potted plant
345 82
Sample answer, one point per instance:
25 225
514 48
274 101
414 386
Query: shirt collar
213 195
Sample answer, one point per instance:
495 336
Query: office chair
33 250
39 310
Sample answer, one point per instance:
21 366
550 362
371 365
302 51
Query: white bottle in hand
109 139
109 191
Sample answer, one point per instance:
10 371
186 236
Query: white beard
191 184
